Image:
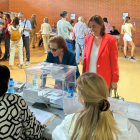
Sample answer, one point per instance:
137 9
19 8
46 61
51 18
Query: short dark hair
4 79
15 21
1 12
99 21
71 21
113 27
60 41
64 14
105 19
7 15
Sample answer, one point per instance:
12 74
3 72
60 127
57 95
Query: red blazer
107 58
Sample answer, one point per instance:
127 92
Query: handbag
116 96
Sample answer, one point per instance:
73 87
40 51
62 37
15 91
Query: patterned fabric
80 29
16 120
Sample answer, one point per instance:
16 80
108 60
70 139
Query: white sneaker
45 52
19 63
27 63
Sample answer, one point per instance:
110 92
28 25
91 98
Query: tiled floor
128 85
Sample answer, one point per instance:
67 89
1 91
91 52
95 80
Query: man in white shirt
26 29
80 30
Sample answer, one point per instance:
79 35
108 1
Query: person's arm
28 26
132 131
9 29
32 127
71 30
62 132
50 29
114 63
41 28
70 27
35 24
73 36
21 32
84 56
134 27
122 31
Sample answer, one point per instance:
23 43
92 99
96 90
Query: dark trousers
73 45
40 42
1 37
7 46
26 45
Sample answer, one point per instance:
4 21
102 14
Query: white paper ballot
40 115
129 109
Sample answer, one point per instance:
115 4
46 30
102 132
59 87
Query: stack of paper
41 116
51 95
30 95
129 109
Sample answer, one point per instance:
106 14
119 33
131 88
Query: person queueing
17 122
95 121
32 33
16 32
1 30
26 29
45 31
6 37
126 30
107 25
64 28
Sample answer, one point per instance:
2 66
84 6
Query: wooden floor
129 71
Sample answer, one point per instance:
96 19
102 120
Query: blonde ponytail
95 121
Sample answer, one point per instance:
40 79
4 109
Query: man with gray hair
80 30
33 31
26 29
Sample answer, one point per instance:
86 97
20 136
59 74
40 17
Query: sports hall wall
112 9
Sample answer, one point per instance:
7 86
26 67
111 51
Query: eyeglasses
54 50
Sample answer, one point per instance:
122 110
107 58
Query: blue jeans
79 46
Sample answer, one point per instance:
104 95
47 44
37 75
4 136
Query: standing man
26 29
80 30
33 31
1 29
7 37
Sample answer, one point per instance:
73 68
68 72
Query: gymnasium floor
129 71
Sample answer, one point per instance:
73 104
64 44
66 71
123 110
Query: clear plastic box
50 80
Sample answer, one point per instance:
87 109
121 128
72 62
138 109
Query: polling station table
57 121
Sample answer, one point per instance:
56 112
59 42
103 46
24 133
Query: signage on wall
125 15
72 16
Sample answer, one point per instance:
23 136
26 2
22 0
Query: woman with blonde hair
126 30
95 121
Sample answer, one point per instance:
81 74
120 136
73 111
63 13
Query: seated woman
17 122
95 121
60 54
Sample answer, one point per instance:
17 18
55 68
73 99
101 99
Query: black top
115 32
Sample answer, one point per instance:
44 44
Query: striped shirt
80 29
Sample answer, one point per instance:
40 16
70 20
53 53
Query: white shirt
45 29
93 58
127 129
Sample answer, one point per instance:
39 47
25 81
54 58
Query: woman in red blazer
101 53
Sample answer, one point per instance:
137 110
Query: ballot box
49 82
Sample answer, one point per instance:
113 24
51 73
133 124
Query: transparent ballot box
49 82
